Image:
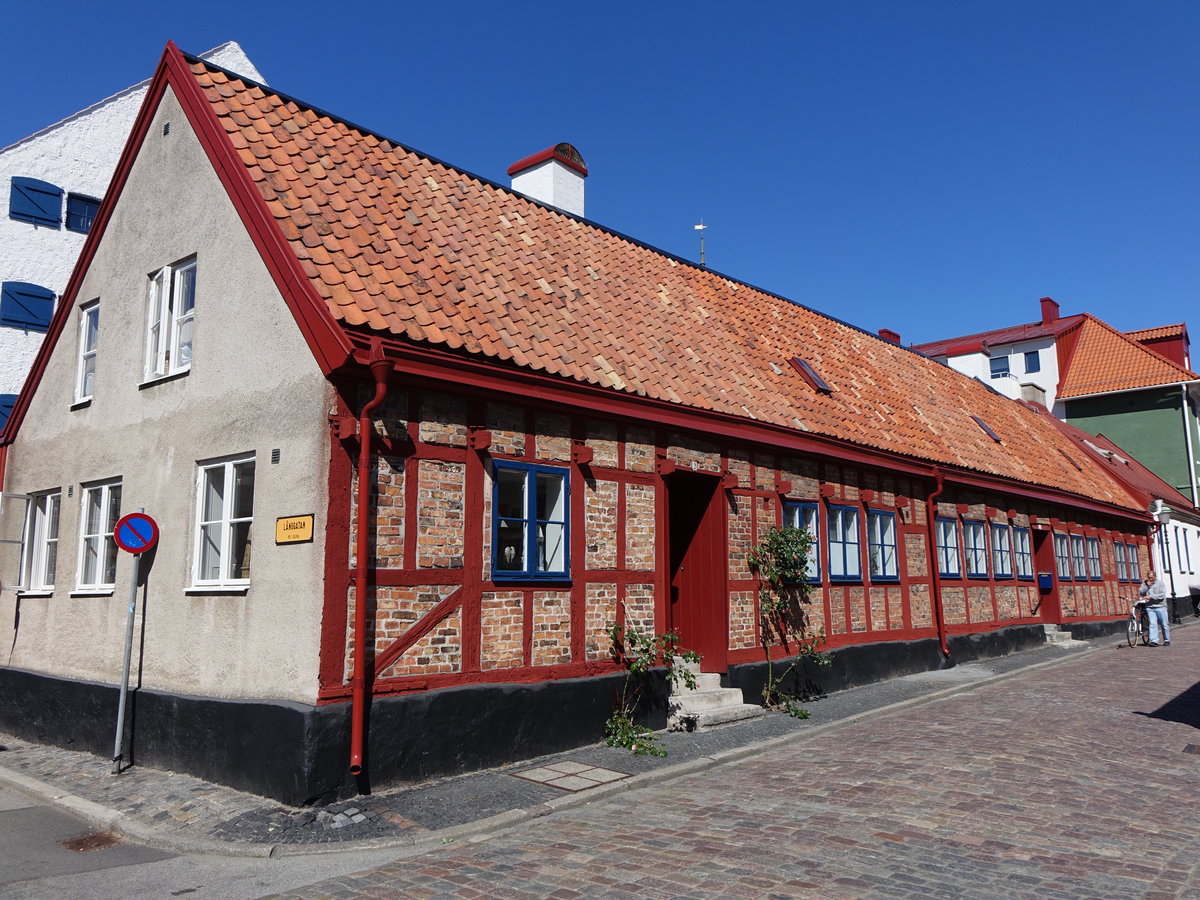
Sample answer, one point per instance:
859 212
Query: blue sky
931 166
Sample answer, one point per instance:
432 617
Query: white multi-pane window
89 330
845 561
1023 552
947 548
1002 557
224 514
1122 567
97 548
975 549
40 557
1135 567
1078 557
171 310
805 515
530 522
1062 556
881 545
1093 558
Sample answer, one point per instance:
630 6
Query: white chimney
554 177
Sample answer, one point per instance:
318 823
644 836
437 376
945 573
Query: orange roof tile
1104 360
453 261
1161 331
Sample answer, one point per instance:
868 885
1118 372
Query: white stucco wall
79 155
978 365
253 387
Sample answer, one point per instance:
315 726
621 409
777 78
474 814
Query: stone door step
1059 638
708 705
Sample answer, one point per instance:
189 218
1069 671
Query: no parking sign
136 533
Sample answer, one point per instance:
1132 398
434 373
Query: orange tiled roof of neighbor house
403 245
1161 331
1104 360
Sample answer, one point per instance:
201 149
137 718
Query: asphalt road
37 862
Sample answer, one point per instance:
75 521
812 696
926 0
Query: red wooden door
1049 605
699 598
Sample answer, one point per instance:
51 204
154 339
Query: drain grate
86 843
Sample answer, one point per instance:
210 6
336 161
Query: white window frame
39 553
170 316
86 362
223 524
949 558
1023 552
975 549
882 550
1092 550
1062 555
101 537
807 516
1002 555
14 521
1133 562
1122 567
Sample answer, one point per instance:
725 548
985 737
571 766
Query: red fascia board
422 366
540 157
325 338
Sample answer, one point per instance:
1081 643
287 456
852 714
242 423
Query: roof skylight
809 374
987 429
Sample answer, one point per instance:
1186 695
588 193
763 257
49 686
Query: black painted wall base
298 754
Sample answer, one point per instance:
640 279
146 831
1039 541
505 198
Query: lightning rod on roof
700 228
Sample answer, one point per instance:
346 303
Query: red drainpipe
381 370
935 593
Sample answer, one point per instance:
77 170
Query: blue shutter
7 401
35 201
27 306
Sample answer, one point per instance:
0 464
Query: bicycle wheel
1131 631
1145 627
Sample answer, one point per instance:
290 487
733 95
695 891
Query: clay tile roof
460 264
1104 360
1161 331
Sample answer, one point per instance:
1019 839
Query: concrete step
1059 638
708 704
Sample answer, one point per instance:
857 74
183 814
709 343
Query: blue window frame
999 366
530 522
26 306
805 515
1023 552
1033 361
7 402
949 559
1093 558
36 202
882 561
975 549
1122 566
1062 556
81 212
1002 556
845 558
1135 567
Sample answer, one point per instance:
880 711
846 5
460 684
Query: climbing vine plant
639 652
779 560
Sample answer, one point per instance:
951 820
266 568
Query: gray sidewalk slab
185 814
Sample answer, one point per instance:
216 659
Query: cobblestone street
1078 781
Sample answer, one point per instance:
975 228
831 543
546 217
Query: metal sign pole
119 740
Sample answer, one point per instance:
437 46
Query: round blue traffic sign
136 533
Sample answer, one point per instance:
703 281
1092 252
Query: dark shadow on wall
1183 708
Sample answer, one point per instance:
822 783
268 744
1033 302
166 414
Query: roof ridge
704 270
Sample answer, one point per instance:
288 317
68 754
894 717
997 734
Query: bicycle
1138 627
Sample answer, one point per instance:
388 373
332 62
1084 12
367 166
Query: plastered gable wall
253 387
79 155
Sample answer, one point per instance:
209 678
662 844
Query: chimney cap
563 152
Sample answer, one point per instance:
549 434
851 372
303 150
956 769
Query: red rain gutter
935 584
381 371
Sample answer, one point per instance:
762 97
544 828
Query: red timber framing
438 619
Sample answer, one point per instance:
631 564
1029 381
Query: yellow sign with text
293 529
